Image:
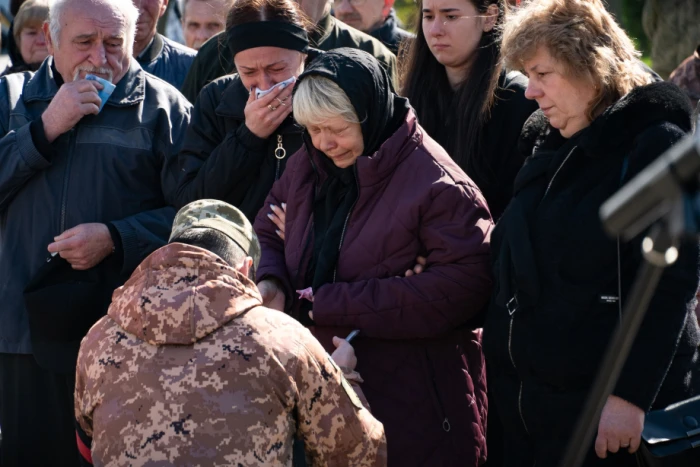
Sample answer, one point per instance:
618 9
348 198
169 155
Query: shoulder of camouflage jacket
229 397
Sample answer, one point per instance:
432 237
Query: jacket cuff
117 240
248 139
129 241
41 142
28 150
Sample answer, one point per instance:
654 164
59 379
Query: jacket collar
153 51
387 31
233 100
130 90
322 30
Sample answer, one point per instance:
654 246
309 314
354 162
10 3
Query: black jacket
390 34
222 159
555 271
509 113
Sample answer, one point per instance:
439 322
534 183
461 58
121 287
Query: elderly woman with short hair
368 193
560 282
29 36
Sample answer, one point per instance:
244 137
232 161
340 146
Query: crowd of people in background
292 233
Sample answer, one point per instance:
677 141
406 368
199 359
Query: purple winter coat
422 365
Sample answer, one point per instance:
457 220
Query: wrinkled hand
71 103
272 294
344 354
83 246
260 120
620 427
278 217
418 268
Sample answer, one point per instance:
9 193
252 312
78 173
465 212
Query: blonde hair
32 12
317 99
582 37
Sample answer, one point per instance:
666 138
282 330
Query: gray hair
128 11
316 99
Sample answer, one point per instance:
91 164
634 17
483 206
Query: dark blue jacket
167 60
110 168
390 33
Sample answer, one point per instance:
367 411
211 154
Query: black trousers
36 415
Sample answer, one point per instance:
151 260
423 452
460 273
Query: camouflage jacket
188 369
687 76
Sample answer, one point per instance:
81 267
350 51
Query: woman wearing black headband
368 192
238 144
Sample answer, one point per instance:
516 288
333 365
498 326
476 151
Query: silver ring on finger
280 101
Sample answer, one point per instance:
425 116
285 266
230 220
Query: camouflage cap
221 216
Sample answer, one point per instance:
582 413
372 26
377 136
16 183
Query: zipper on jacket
280 154
345 225
436 396
557 172
512 308
66 178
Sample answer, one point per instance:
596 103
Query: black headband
267 34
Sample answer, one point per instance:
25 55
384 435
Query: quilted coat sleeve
454 287
272 262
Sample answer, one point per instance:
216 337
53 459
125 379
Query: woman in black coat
558 289
238 144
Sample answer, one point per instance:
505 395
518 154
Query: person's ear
491 17
49 39
245 266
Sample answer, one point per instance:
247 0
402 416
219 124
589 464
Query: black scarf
381 113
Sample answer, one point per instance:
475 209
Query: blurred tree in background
632 22
406 10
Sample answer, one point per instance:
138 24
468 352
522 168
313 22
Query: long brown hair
455 118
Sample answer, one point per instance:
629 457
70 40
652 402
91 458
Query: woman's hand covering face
263 116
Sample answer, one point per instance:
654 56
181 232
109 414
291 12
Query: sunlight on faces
365 15
562 98
202 19
338 139
263 67
92 40
453 30
32 44
149 13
